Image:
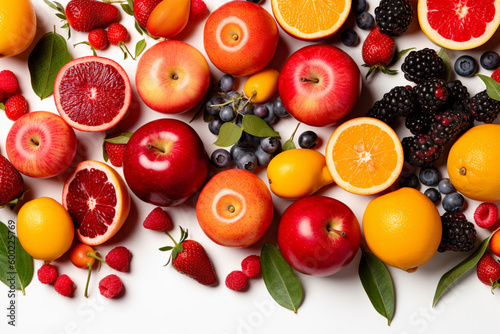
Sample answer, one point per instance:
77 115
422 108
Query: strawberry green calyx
177 248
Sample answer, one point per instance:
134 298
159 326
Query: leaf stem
88 280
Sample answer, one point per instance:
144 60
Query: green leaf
139 47
229 134
16 265
402 53
138 28
166 248
127 9
123 138
48 56
51 5
131 5
289 145
447 63
492 87
59 7
256 126
456 272
2 106
61 16
378 285
280 279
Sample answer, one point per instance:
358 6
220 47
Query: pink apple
319 84
318 235
40 144
172 77
165 162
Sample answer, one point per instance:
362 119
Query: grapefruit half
97 200
459 24
92 93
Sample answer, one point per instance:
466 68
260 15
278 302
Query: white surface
158 298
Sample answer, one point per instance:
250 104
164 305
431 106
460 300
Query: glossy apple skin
307 240
235 208
165 162
41 145
240 38
172 77
332 97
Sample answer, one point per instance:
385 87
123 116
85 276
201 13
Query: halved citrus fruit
459 24
310 20
92 93
97 200
364 156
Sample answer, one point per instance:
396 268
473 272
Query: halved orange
97 200
310 19
364 156
459 24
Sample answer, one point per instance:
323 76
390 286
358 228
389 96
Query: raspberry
198 10
236 280
393 16
15 107
8 82
459 235
119 258
117 33
2 95
420 150
64 286
158 220
47 274
98 38
110 286
251 266
486 215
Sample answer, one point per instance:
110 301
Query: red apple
318 235
40 144
172 77
240 37
165 162
319 84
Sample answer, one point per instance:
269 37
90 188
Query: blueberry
445 186
263 157
408 180
236 150
269 144
247 160
279 108
358 6
271 117
232 95
465 66
249 141
255 1
453 202
490 60
214 125
308 139
247 108
227 113
260 110
226 83
349 37
211 105
220 158
433 194
365 21
429 176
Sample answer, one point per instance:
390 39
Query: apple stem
331 229
151 146
34 141
315 80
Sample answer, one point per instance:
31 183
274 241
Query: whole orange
402 228
235 208
240 37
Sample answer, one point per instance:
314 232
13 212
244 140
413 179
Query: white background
158 298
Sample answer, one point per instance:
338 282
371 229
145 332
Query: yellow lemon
473 163
262 85
402 228
298 173
17 26
45 229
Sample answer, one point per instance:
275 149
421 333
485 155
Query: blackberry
448 126
393 16
418 123
420 150
399 101
459 235
483 108
421 65
431 95
458 95
382 112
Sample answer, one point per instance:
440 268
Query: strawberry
98 39
142 10
114 147
8 82
496 75
11 183
190 258
198 10
378 51
488 271
87 15
15 107
117 33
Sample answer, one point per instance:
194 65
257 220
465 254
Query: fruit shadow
129 227
132 118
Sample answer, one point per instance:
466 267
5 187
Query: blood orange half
459 24
92 93
97 200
